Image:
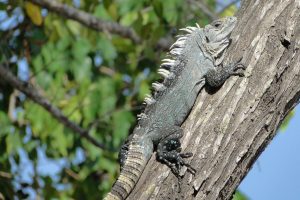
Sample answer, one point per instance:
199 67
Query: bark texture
228 128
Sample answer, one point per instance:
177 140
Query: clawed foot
168 152
175 161
236 66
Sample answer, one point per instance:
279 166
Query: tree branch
228 128
30 91
87 19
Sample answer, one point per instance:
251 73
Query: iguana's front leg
219 75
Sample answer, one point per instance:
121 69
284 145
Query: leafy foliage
97 79
239 196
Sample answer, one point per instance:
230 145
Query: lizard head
217 35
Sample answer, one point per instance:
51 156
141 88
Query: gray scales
195 60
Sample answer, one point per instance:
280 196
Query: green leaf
82 69
108 95
107 49
229 11
112 10
107 165
100 100
158 8
286 121
102 13
61 140
129 18
34 13
129 6
6 127
144 89
81 63
80 48
239 196
3 6
74 27
64 44
60 28
107 3
93 152
31 146
122 45
170 11
122 121
13 142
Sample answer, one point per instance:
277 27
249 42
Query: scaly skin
134 165
196 61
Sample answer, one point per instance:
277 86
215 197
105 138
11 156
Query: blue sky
276 174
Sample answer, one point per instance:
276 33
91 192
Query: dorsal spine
167 66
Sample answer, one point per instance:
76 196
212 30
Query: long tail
133 167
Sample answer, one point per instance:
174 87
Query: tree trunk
228 128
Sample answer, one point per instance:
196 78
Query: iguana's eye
217 24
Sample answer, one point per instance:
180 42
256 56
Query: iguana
195 60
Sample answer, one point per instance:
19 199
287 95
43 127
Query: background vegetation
96 77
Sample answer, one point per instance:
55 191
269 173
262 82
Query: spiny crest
169 64
158 86
149 100
141 116
164 73
189 29
177 47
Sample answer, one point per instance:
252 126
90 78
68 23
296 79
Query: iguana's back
171 105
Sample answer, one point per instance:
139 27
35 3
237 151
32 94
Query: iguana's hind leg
168 152
216 77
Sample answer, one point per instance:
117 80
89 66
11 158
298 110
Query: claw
239 60
190 169
238 63
186 155
239 66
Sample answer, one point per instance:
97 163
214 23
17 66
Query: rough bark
87 19
228 128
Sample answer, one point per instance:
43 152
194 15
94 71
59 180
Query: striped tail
134 165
